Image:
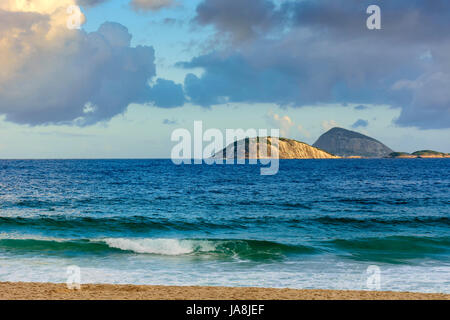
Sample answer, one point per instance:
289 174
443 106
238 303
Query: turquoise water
316 224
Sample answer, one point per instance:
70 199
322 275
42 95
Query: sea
362 224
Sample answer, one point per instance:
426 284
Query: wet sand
51 291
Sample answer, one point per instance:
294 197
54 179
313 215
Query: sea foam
170 247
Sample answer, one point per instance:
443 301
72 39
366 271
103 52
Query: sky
135 70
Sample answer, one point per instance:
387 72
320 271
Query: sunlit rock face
260 148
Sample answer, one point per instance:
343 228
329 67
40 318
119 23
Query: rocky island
288 149
419 154
351 144
333 144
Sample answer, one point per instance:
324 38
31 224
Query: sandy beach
51 291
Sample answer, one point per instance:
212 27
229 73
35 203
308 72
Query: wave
273 203
130 223
53 246
413 201
143 224
384 220
392 249
52 204
220 248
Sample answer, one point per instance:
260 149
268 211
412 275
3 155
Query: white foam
170 247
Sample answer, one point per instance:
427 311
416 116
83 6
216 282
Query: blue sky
118 87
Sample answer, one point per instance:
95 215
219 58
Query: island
419 154
336 143
259 148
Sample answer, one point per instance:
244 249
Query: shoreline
59 291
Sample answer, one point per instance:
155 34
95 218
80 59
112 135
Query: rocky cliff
346 143
288 149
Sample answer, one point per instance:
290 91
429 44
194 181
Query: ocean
316 224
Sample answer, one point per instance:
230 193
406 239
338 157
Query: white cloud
53 74
303 131
328 124
284 123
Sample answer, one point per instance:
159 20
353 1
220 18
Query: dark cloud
167 94
90 3
360 123
239 19
151 5
234 79
326 54
430 101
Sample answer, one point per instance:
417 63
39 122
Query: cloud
314 52
328 124
238 19
151 5
284 123
430 100
173 22
303 131
167 94
90 3
51 74
360 123
361 107
234 78
137 5
170 122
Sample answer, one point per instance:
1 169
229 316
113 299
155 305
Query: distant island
351 144
419 154
288 149
334 144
